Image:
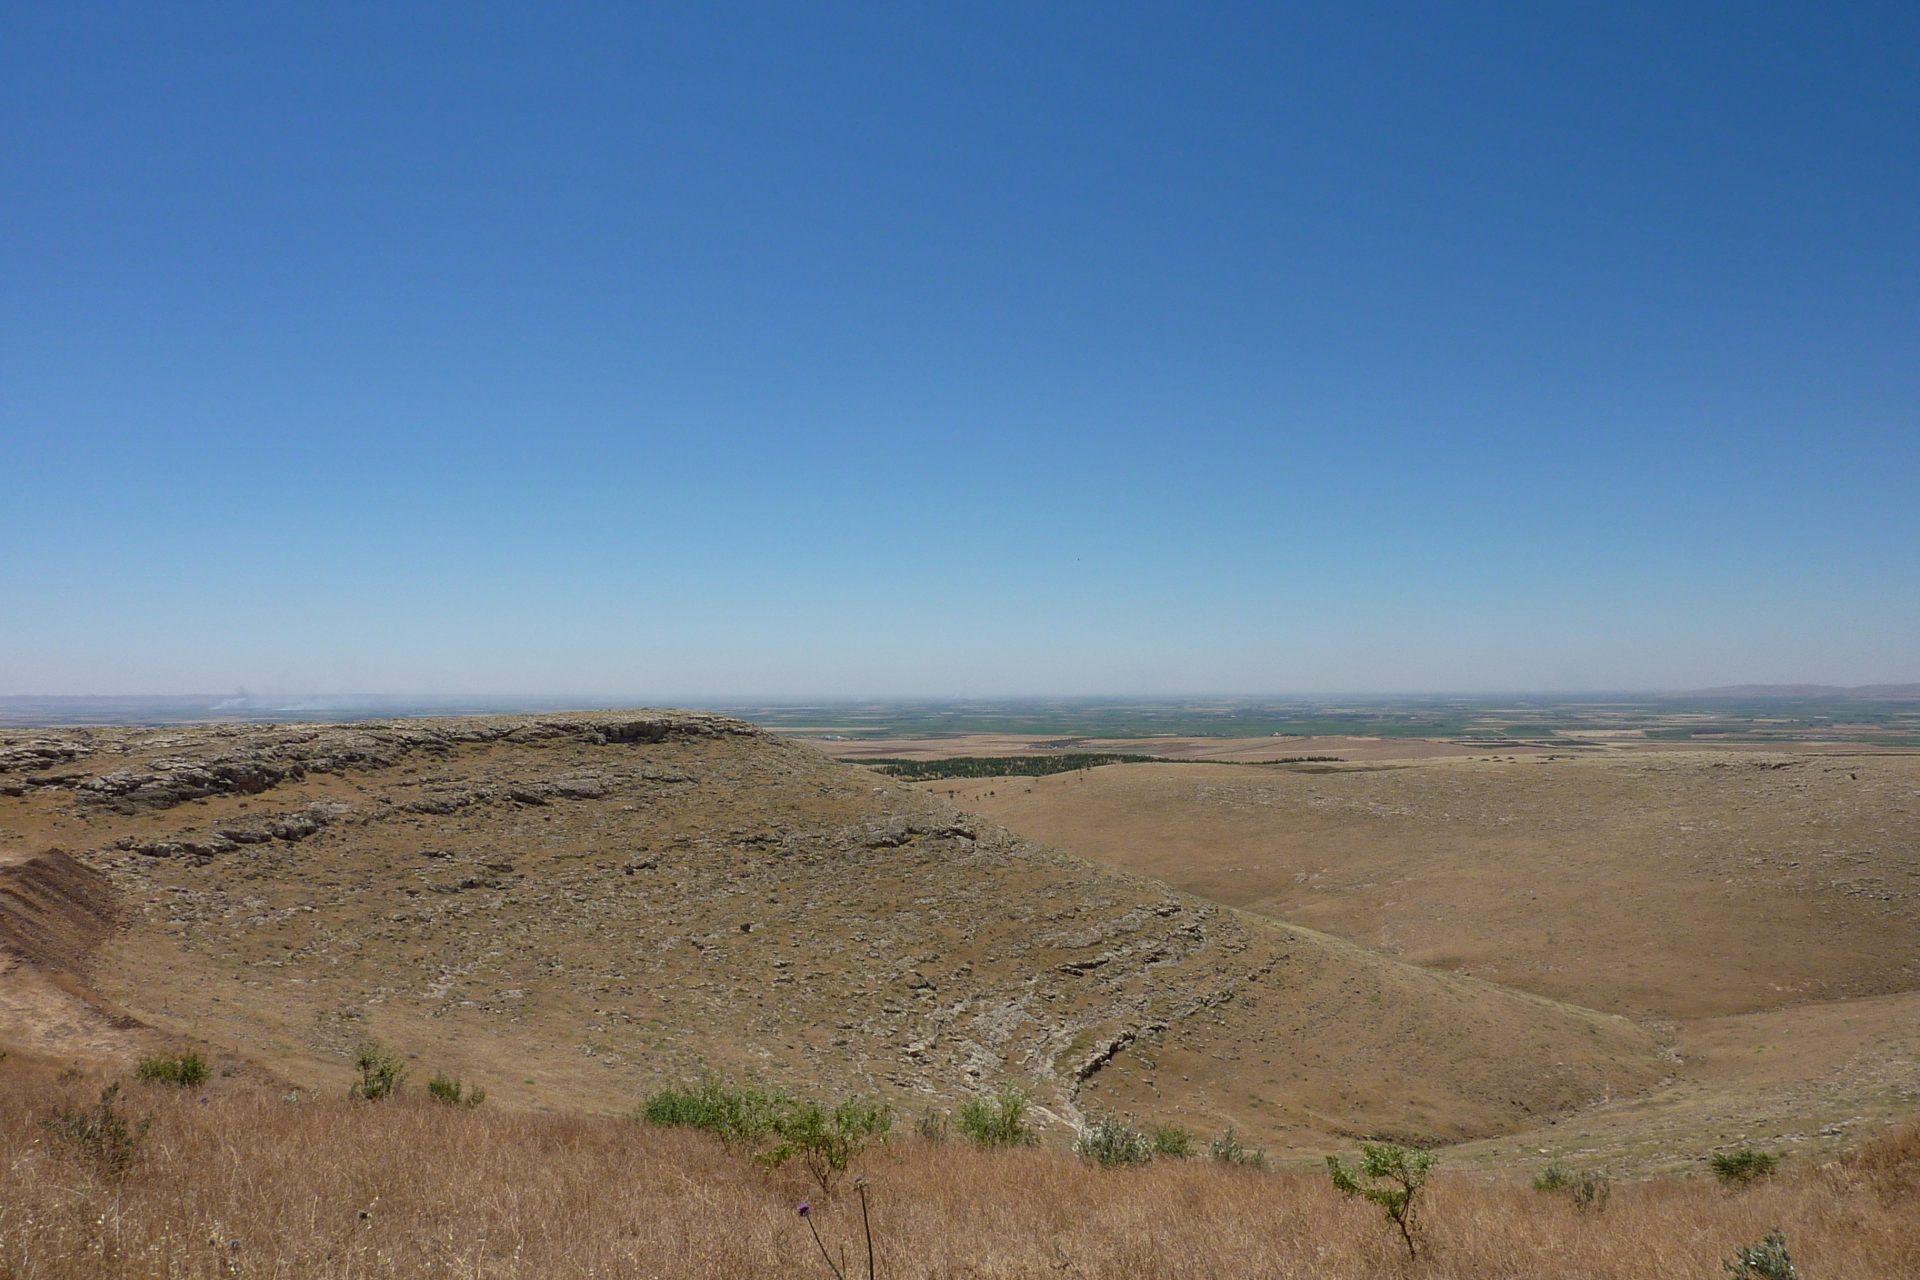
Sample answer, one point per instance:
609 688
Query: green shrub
1113 1143
1554 1177
1767 1260
1390 1177
739 1115
1589 1189
997 1119
188 1070
100 1134
826 1142
1228 1149
380 1073
1171 1141
1743 1165
449 1089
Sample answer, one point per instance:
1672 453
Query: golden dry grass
247 1184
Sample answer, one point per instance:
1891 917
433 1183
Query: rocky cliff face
574 909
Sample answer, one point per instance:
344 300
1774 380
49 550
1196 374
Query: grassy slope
1663 885
248 1185
1770 916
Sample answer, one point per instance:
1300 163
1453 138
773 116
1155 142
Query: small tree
826 1142
1392 1177
380 1073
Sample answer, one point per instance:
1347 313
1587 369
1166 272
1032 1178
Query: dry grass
246 1184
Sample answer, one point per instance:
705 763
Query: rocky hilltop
573 909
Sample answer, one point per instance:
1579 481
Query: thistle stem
821 1245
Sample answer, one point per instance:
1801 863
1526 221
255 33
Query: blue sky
706 350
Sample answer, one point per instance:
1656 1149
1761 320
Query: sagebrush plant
1391 1177
824 1141
934 1126
1589 1189
1113 1143
1228 1149
453 1092
1767 1260
1555 1177
1171 1141
997 1119
100 1134
1743 1165
187 1070
738 1114
381 1072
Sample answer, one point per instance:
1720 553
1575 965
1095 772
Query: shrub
1589 1189
1171 1141
449 1089
1553 1178
1113 1143
827 1141
1389 1176
1228 1149
1743 1165
997 1119
100 1134
188 1070
1767 1260
739 1115
380 1073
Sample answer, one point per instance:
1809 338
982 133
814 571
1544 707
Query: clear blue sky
700 350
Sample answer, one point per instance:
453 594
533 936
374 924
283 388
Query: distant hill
572 910
1864 692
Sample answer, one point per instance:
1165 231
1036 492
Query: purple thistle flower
805 1208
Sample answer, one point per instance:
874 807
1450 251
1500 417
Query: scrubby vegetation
453 1092
740 1115
100 1135
187 1070
1588 1189
250 1185
1743 1165
1171 1141
997 1119
773 1126
1767 1260
1113 1142
380 1073
1228 1149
